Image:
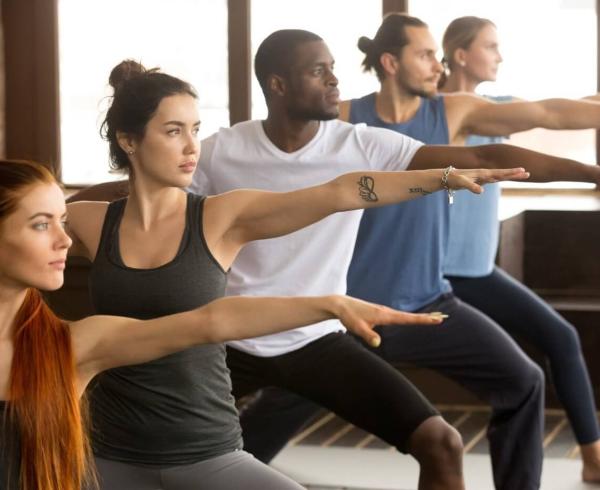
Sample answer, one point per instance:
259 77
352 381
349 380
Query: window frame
32 117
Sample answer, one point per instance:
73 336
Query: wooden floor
334 455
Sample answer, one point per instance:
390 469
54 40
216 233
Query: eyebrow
181 124
45 215
324 63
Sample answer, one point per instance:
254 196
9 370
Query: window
186 38
549 50
338 22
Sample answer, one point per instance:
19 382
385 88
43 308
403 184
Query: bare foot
590 455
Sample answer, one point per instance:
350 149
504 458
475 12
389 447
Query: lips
58 264
333 95
188 166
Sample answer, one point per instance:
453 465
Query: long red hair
43 404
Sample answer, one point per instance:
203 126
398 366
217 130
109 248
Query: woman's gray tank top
178 409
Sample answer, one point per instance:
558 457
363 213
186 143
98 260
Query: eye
64 223
173 131
195 131
41 226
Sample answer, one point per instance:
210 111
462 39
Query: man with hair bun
300 141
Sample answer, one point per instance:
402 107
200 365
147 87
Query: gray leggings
230 471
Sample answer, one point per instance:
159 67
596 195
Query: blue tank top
400 249
474 229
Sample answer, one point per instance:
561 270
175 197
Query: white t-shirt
312 261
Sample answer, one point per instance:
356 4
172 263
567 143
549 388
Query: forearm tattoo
366 185
418 190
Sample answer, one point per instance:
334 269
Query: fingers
403 318
400 318
364 328
507 174
521 176
506 171
490 176
474 188
464 181
367 334
374 341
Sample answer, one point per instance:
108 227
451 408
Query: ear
460 57
389 62
127 142
276 85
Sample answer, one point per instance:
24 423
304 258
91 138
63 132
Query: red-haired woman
46 363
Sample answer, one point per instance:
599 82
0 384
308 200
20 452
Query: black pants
338 373
469 348
522 313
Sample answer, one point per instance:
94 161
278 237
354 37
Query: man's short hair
275 54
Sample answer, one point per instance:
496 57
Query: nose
63 240
332 79
192 144
438 66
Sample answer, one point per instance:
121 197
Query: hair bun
365 44
125 70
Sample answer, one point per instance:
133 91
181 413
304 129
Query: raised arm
541 167
485 117
237 217
104 342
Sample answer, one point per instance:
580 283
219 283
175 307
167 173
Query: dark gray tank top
9 451
178 409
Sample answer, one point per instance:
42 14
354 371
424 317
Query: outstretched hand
360 317
473 179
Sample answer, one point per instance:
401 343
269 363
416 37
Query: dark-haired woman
46 363
472 56
162 251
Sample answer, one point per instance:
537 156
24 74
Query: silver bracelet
445 175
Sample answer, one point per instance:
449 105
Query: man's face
419 70
312 92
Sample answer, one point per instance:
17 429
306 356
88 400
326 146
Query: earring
130 152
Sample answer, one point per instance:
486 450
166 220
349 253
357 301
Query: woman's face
33 242
483 57
169 151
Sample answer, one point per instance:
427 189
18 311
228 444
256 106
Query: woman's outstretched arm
235 218
104 342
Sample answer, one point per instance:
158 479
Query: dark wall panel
31 60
